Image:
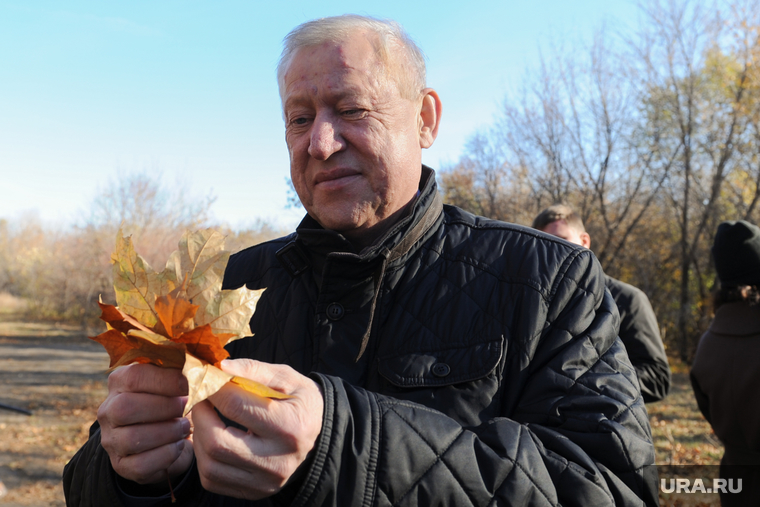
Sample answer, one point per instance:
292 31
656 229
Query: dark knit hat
736 252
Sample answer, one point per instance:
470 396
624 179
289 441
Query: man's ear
430 117
585 240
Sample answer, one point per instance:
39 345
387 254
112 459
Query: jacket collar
736 319
423 212
318 245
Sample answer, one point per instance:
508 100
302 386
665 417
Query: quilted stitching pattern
445 297
437 463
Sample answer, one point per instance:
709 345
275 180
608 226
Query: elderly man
433 357
638 323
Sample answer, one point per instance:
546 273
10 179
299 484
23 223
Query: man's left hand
257 463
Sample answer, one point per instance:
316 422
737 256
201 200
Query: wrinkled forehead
360 53
355 54
333 69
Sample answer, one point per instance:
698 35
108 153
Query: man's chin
358 230
339 216
347 228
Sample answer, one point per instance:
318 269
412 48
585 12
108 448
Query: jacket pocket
442 367
459 381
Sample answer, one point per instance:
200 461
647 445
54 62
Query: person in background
725 373
639 330
433 357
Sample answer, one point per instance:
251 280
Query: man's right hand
141 423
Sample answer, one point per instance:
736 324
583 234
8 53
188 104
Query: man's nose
325 139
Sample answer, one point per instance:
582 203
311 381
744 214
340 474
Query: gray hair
338 28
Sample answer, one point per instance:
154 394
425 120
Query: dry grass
683 439
681 435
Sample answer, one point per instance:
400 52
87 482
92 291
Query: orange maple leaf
205 345
175 314
128 341
175 333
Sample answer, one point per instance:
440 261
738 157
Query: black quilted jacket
464 362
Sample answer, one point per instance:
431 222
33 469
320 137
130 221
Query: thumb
277 376
247 368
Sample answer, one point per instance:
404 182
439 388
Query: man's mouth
335 176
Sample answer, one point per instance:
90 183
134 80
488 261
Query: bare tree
481 181
154 213
654 139
697 106
569 132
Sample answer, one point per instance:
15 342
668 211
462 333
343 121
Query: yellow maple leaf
180 317
136 284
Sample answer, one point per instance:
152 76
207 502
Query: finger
276 376
125 409
217 442
147 378
155 465
182 464
251 411
140 438
206 423
261 415
299 416
235 462
189 417
229 480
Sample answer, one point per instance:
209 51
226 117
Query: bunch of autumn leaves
179 317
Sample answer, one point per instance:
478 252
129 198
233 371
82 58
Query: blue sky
92 90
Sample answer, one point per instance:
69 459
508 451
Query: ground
681 435
59 374
683 439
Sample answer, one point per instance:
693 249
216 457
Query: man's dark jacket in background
463 362
641 336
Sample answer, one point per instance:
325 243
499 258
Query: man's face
563 230
354 141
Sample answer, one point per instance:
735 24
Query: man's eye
353 112
299 121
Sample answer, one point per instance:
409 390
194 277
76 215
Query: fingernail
180 447
183 400
185 426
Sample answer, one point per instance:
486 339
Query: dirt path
59 375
